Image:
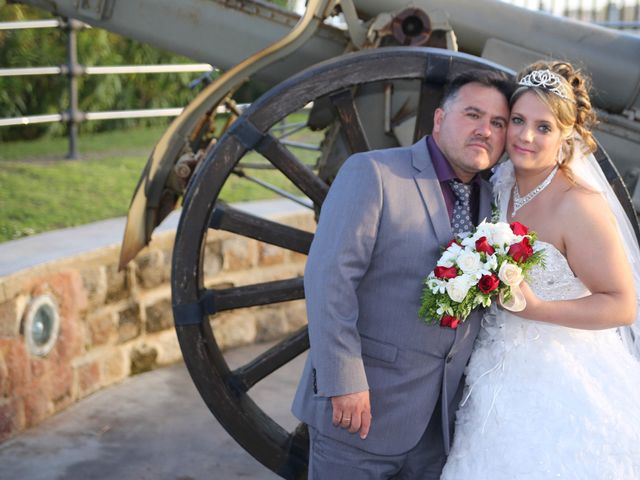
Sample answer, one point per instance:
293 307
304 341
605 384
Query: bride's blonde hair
573 115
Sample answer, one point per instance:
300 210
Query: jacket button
449 358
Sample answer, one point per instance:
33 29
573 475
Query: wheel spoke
296 171
430 95
350 121
431 90
253 295
233 220
268 362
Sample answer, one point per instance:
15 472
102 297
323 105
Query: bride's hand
532 300
522 299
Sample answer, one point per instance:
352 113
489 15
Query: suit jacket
380 233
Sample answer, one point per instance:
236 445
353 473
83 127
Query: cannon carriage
373 83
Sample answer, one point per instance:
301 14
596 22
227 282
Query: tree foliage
43 94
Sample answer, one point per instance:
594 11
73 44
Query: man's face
471 130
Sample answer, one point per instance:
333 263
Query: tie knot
462 191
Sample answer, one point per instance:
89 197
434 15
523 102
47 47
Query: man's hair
489 78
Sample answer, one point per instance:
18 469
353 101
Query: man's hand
352 412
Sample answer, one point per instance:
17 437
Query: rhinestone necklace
519 202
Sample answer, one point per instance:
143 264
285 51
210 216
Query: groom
380 388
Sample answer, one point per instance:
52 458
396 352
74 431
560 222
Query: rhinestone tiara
547 80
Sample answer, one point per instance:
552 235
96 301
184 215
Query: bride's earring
560 155
562 152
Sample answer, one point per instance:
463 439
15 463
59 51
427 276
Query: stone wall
118 323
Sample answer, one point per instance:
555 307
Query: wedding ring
346 419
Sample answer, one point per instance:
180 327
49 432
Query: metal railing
617 14
73 70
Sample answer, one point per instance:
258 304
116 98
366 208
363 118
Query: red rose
449 321
452 241
519 229
445 272
521 252
482 245
488 283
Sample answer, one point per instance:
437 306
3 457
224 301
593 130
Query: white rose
510 274
458 287
501 234
469 262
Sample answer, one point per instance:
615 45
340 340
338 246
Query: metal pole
72 64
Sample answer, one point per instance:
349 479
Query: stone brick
117 287
60 386
38 367
37 407
143 358
113 367
239 253
71 340
152 269
271 323
271 255
67 289
234 329
94 280
4 377
168 347
17 363
89 378
159 316
129 324
12 418
11 313
212 261
102 328
296 313
296 257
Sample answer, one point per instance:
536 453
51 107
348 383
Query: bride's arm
596 256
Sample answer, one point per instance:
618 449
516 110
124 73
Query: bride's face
533 135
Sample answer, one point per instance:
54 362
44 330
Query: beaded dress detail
544 401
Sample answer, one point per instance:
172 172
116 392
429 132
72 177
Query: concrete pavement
28 252
151 426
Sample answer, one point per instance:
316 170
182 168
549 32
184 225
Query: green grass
40 190
137 140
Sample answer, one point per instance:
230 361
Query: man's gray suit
380 232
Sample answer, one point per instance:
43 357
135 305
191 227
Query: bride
554 390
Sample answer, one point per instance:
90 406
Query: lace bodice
556 280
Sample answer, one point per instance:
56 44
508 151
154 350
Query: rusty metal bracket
96 9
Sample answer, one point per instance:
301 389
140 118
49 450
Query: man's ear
438 116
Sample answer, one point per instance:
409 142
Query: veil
587 171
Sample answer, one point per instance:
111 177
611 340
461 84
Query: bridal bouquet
472 270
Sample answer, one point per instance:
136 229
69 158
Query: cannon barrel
224 33
221 33
514 37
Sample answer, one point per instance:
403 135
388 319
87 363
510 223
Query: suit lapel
429 187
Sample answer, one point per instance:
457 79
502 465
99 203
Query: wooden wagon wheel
226 391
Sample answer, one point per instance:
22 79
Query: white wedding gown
545 401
